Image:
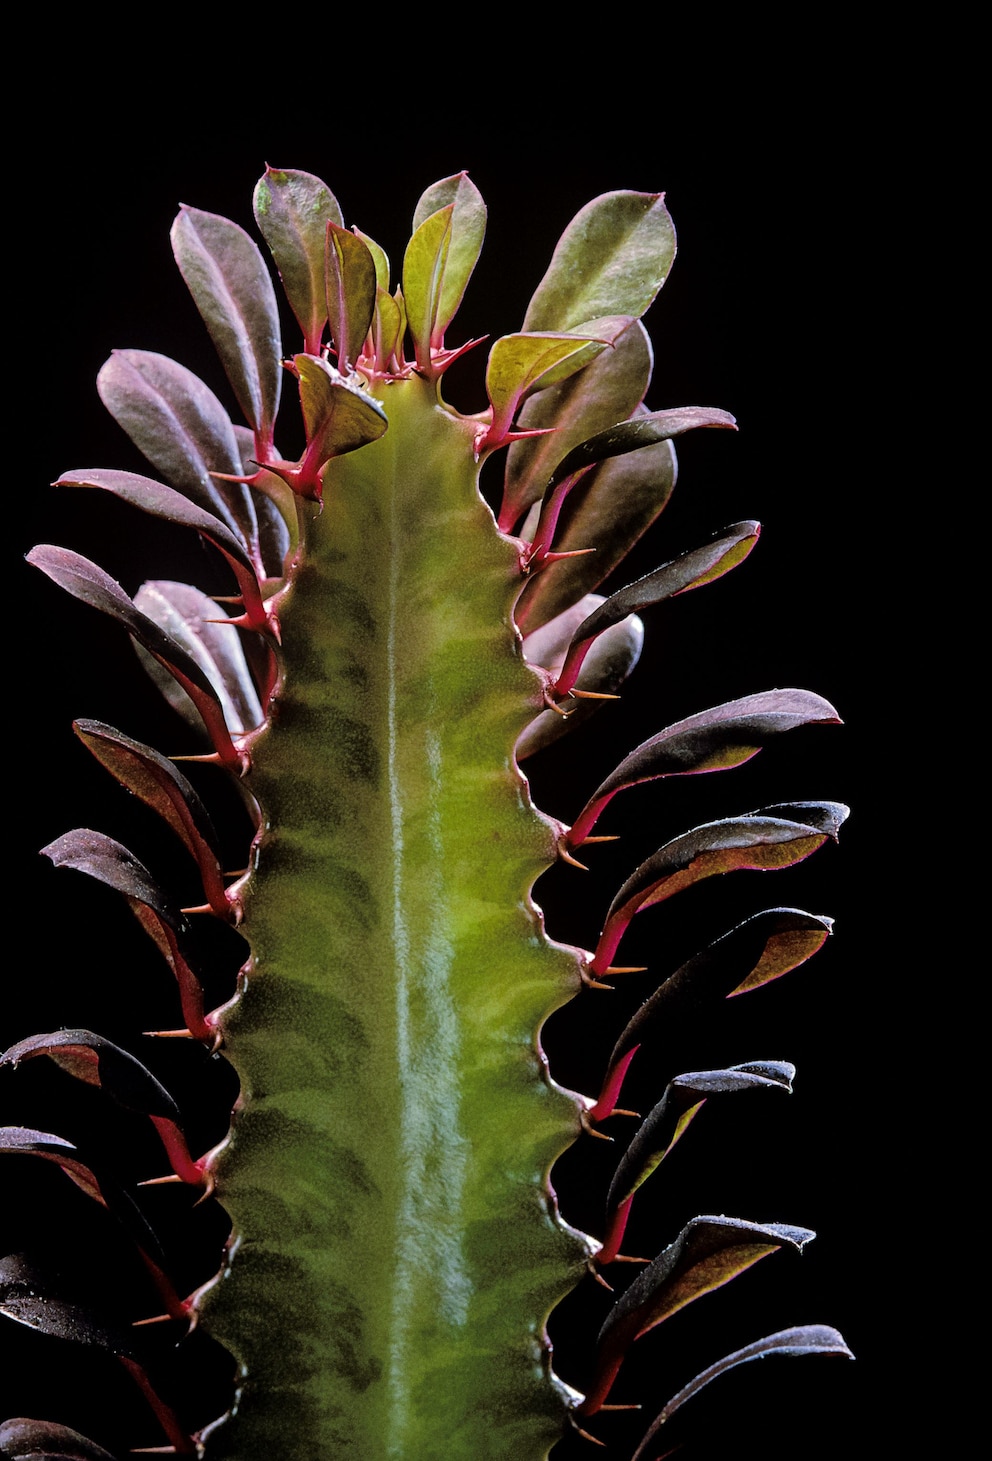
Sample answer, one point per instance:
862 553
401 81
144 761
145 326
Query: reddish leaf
85 581
22 1439
351 285
702 565
227 277
161 785
802 1340
771 837
195 624
111 863
98 1062
757 951
178 423
714 740
665 1125
708 1253
160 501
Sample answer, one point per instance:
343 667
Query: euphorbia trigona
387 658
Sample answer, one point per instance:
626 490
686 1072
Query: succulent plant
390 623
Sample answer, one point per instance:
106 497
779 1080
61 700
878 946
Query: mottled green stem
388 1173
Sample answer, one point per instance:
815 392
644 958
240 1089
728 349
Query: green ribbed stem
387 1173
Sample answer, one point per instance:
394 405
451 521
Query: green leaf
339 418
292 210
379 257
802 1340
611 260
227 277
424 266
521 364
708 1253
607 391
351 289
468 229
714 740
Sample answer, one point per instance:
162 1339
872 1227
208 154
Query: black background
763 315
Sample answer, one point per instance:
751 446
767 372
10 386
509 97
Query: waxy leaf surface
611 260
467 231
714 740
803 1339
708 1253
227 277
181 427
292 210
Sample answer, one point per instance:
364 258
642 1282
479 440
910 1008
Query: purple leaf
227 277
714 740
754 953
708 1253
111 863
160 501
771 837
691 570
98 1062
607 390
161 785
608 511
802 1340
22 1439
193 622
181 427
665 1125
85 581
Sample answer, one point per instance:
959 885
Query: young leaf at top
521 364
759 841
339 418
227 277
350 279
803 1339
292 210
714 740
606 391
708 1253
761 949
467 231
612 259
